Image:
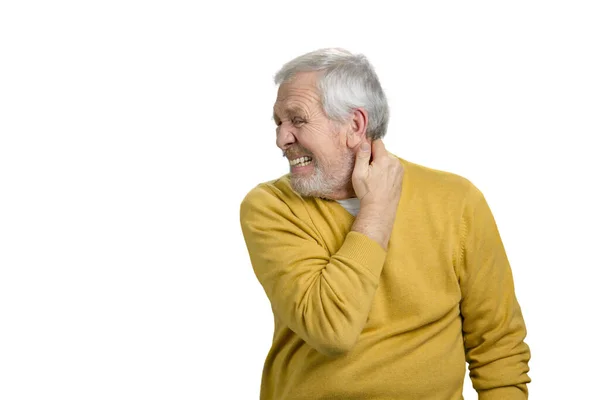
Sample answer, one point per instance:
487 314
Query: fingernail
364 147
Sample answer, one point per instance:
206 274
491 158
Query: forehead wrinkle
288 110
308 94
297 98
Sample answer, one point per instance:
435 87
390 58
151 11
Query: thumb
363 156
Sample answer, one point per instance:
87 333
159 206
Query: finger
379 150
363 156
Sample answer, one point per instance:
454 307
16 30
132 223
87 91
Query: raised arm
325 299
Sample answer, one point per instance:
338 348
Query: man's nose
285 137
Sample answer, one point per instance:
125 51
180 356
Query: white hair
348 82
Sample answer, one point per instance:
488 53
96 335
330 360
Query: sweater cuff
503 393
364 250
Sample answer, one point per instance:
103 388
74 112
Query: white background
130 132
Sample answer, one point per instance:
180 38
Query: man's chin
302 170
303 188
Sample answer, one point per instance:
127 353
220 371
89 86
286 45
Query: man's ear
357 129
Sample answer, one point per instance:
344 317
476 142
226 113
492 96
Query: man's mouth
300 161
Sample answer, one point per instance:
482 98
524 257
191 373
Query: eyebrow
289 110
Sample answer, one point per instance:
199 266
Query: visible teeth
302 161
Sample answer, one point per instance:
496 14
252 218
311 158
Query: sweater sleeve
493 325
325 299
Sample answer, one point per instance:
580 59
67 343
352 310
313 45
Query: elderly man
384 276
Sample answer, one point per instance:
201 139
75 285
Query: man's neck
343 194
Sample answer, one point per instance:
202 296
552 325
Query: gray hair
348 82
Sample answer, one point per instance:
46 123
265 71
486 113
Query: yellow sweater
353 321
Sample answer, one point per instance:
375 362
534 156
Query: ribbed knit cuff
364 250
503 393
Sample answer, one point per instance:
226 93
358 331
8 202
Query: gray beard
324 185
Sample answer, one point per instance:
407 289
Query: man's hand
378 186
379 183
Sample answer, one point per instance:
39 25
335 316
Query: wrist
377 211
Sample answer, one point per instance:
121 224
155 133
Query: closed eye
297 121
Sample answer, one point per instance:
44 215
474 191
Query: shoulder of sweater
422 178
437 180
276 191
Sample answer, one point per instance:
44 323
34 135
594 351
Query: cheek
313 139
322 143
